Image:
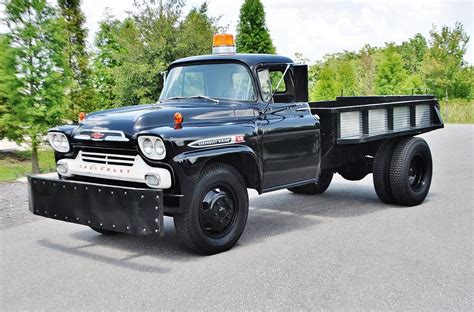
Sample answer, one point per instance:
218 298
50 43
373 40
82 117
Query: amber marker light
223 44
178 120
220 40
82 116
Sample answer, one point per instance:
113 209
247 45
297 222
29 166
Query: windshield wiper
191 97
204 97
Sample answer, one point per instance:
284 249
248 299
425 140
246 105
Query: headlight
58 142
147 146
159 147
152 147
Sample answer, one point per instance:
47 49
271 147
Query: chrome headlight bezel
156 142
59 142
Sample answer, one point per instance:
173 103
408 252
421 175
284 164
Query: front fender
241 157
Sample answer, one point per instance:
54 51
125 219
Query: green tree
8 85
37 39
81 94
133 54
107 57
390 77
413 52
252 32
445 58
346 77
366 71
195 32
463 86
326 86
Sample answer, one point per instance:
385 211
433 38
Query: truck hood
133 119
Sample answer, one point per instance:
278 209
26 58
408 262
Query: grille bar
107 159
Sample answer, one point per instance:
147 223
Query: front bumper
121 209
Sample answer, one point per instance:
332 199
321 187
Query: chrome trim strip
218 141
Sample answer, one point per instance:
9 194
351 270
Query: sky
319 27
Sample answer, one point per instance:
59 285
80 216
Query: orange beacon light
223 44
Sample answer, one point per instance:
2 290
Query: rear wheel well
245 164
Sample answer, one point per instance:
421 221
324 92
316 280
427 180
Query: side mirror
300 73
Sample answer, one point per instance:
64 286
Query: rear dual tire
402 171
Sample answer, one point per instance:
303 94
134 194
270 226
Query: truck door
288 132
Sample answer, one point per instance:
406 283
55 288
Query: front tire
411 169
314 188
218 212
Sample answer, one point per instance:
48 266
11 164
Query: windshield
216 81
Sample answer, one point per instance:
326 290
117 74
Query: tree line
48 73
419 65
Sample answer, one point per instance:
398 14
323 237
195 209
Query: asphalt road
341 250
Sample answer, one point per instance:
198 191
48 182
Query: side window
265 84
275 76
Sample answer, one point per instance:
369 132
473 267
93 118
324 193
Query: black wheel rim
217 211
416 173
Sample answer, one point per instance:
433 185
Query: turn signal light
82 116
178 119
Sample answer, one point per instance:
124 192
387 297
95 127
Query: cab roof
249 59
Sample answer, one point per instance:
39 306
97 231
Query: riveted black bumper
121 209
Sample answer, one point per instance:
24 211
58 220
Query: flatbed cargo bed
363 119
350 124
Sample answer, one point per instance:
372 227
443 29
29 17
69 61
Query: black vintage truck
225 123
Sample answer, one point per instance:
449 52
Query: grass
17 164
459 111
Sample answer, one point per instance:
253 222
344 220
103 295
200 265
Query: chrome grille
107 159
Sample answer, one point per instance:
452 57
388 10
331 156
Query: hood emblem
97 135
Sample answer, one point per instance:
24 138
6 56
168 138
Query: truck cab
225 123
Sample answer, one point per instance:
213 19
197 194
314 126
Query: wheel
411 169
314 188
103 232
381 171
218 212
